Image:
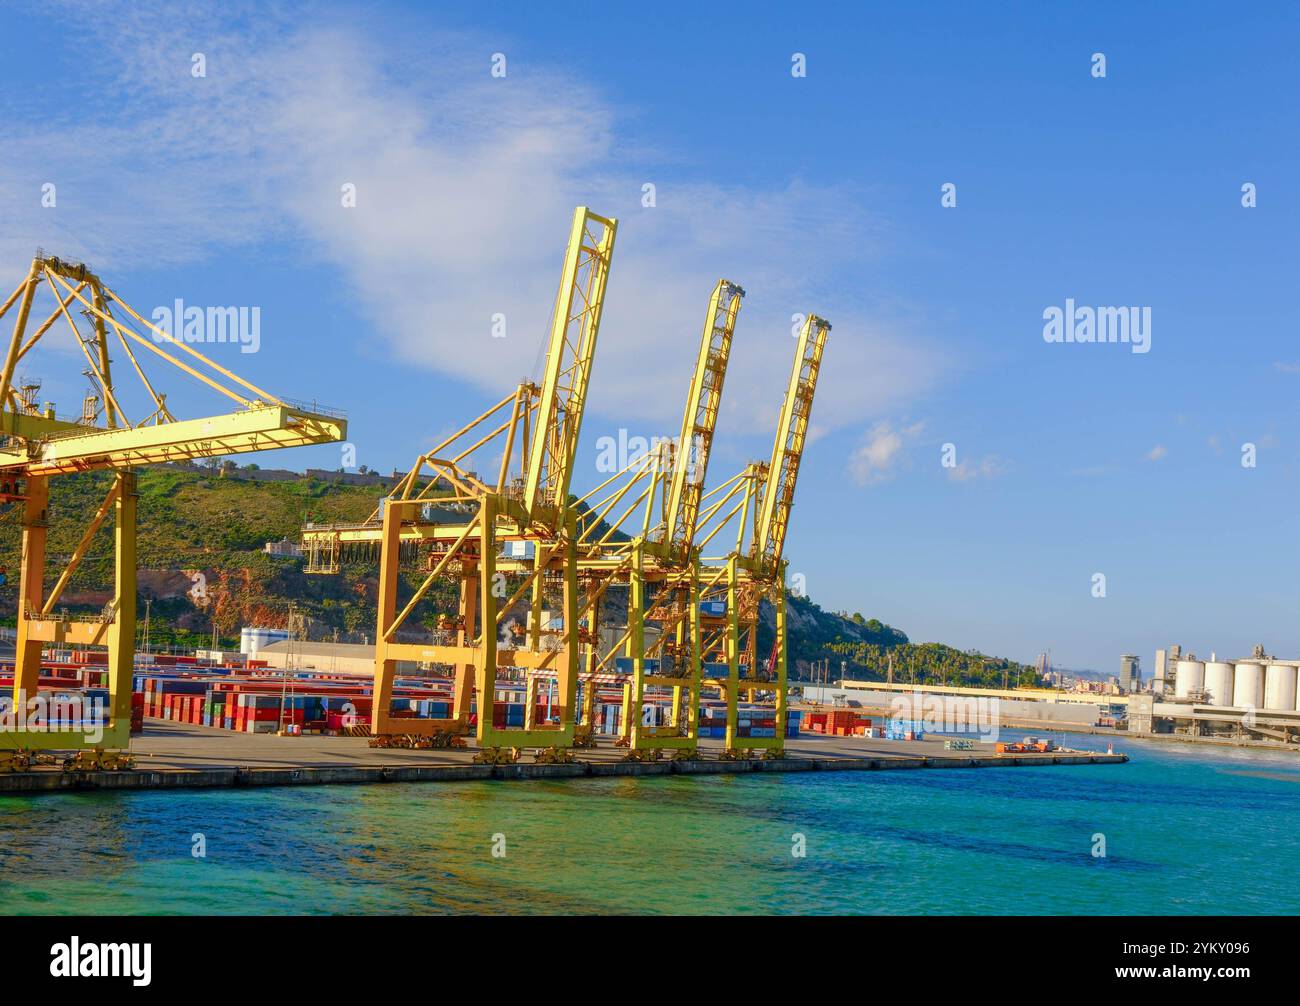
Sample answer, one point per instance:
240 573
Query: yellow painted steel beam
28 293
114 737
30 426
80 551
266 428
450 653
99 371
787 450
695 442
782 660
121 634
732 652
64 631
575 325
31 588
429 580
58 312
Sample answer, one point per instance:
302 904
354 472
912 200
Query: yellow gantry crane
519 541
496 541
759 501
36 446
658 565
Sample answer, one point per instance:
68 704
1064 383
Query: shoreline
178 756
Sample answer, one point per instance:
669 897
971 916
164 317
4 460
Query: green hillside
201 537
204 528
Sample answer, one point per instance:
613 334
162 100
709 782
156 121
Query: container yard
199 724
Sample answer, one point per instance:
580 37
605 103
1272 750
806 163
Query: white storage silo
1218 682
1190 677
1279 686
1248 685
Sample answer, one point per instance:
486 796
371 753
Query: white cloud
465 185
881 449
1157 453
989 467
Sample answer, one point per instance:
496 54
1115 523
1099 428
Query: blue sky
819 193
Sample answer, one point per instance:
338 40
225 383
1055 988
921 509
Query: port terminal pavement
175 755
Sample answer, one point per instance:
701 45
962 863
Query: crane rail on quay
36 446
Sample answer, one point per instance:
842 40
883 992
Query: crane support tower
37 446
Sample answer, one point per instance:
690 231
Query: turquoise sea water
1187 830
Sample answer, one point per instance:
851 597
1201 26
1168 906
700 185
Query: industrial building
1251 696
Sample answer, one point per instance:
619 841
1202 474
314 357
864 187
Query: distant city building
1130 674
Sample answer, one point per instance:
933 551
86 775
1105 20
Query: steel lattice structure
538 426
640 531
37 446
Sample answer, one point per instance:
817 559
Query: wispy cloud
464 186
1158 453
989 467
877 457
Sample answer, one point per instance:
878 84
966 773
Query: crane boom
574 327
773 515
701 417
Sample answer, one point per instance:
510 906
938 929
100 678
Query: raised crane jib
700 420
773 515
574 327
